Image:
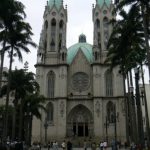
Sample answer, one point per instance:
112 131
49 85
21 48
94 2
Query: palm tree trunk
2 64
133 111
146 108
129 110
30 129
146 37
126 104
14 121
7 96
21 120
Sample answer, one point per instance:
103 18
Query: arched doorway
80 122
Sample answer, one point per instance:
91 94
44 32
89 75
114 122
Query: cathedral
84 98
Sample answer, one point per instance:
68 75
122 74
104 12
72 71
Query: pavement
109 148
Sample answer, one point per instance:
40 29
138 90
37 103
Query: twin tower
53 36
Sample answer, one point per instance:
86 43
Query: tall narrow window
46 25
61 25
111 112
50 110
53 27
109 83
53 34
105 23
52 45
51 84
97 23
106 31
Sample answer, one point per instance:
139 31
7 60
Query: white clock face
80 81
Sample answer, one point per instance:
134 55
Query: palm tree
32 106
144 9
18 39
126 45
10 12
21 84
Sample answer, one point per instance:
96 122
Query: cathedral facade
84 98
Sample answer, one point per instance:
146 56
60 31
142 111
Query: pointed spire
57 3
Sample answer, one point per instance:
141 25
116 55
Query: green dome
57 3
86 49
101 2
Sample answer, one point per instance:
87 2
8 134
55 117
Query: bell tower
102 14
52 46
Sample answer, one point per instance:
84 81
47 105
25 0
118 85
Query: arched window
105 23
106 31
109 83
99 39
53 27
63 56
97 23
50 111
46 24
60 41
45 45
53 34
111 112
51 84
61 24
52 45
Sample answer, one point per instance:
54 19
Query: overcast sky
79 21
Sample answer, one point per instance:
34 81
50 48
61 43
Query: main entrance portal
80 122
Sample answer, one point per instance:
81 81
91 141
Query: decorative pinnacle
66 6
93 5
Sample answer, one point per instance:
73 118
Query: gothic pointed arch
51 84
108 83
97 23
50 112
46 24
80 121
61 24
105 22
111 111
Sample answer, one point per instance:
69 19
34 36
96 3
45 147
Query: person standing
69 145
85 145
101 145
63 145
105 145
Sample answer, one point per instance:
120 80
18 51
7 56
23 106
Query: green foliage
33 104
22 83
126 44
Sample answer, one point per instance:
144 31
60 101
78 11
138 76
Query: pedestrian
101 145
69 145
105 145
63 145
55 145
93 146
49 145
85 145
113 145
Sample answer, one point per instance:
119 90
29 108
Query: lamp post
45 126
139 111
106 124
144 100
